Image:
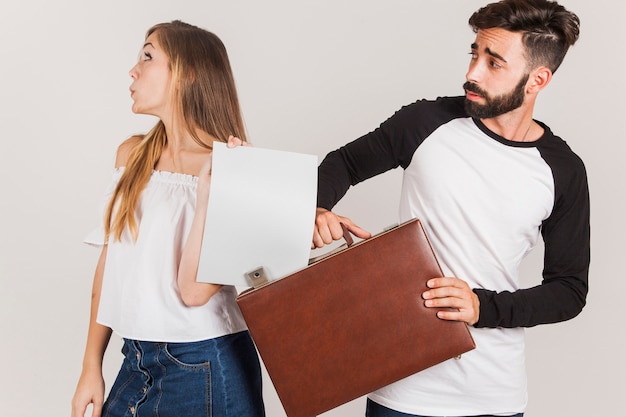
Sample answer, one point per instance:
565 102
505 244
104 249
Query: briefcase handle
346 234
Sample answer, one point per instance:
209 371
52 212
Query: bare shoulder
125 149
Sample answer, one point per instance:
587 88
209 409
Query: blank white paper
261 213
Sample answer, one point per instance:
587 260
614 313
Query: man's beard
495 106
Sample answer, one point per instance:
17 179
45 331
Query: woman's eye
147 56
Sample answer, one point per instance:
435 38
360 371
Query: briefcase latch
257 277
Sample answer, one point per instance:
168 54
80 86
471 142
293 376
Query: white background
311 76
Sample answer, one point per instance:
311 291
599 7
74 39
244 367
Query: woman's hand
233 142
90 390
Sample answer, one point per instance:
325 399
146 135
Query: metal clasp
257 277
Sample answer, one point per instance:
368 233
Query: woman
187 350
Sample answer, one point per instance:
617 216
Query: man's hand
328 228
455 293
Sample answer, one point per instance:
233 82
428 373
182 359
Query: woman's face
150 89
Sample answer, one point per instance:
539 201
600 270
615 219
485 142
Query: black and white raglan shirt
484 202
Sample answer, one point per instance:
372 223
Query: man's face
494 106
497 75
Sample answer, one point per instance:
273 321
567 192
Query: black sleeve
391 145
357 161
566 234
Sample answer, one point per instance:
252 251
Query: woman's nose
133 72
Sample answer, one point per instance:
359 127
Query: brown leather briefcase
351 322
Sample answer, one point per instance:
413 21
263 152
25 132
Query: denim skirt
214 377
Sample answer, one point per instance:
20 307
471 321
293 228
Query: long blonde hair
204 89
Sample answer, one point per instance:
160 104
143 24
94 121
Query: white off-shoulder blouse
140 298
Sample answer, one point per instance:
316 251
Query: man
486 180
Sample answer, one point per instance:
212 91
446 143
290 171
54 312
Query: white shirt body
140 298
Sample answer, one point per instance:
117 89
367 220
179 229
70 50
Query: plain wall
311 76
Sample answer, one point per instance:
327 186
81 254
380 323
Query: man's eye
473 55
495 65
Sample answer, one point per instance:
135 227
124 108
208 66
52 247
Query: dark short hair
548 29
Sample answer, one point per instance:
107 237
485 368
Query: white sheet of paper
261 213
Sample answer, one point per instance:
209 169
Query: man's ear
539 78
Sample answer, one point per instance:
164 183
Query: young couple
485 178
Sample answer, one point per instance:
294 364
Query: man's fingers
328 228
451 292
357 231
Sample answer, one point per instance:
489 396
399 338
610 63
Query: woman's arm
90 388
192 292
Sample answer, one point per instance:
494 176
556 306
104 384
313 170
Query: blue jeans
215 377
376 410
